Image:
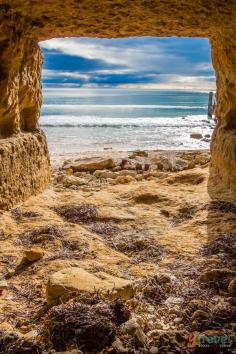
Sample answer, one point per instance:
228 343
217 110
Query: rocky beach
122 254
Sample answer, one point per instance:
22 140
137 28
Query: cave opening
132 93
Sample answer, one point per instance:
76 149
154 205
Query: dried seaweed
78 213
225 246
42 234
28 291
104 228
140 246
222 206
183 215
12 343
18 214
78 324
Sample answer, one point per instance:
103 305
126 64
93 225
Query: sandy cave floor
175 223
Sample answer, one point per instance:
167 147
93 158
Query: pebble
154 350
178 320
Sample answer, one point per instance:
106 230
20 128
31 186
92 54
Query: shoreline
58 159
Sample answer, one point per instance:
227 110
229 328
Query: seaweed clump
78 213
41 234
90 324
11 343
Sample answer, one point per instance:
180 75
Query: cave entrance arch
25 166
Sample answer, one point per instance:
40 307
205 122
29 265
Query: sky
135 62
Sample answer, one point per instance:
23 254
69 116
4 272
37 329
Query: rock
6 327
139 166
124 179
31 335
145 197
127 173
146 167
178 320
232 286
164 164
92 164
216 275
81 174
154 350
68 171
132 328
61 284
128 166
116 169
206 140
139 178
3 286
118 346
172 300
163 278
196 136
73 181
181 165
105 174
139 153
33 254
199 315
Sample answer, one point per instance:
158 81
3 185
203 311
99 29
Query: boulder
197 136
91 164
66 281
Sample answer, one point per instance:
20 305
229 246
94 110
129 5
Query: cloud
127 61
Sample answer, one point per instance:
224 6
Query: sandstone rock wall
24 167
24 23
224 139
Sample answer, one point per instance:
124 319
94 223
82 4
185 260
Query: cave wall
25 165
23 23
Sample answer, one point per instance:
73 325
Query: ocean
88 120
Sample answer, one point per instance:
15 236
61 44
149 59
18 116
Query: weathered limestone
24 167
24 23
61 284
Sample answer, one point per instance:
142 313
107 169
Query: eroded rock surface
61 284
24 23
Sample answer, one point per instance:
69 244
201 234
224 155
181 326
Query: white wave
96 121
123 106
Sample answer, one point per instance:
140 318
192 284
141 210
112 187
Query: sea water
85 119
